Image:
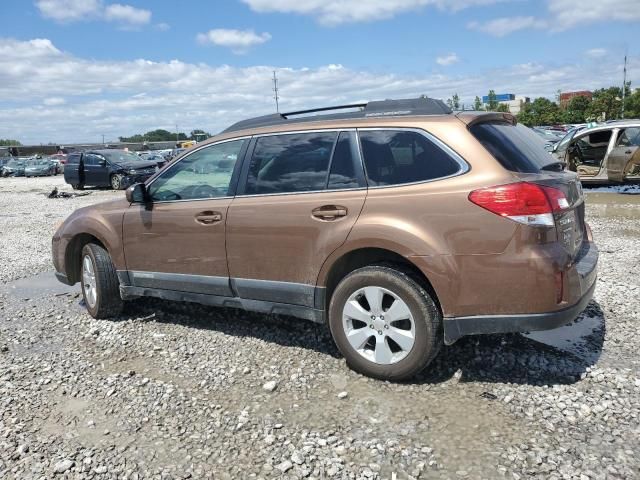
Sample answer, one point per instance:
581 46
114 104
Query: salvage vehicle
40 167
607 153
107 168
13 168
401 225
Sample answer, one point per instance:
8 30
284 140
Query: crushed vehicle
40 167
107 168
399 224
13 168
606 153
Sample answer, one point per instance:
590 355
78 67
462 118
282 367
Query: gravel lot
184 391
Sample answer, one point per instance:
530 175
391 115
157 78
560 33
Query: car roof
373 109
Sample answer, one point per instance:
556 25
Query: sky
75 70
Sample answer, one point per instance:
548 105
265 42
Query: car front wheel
100 285
385 323
116 181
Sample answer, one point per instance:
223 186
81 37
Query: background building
512 101
566 97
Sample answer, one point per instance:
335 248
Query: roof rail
380 108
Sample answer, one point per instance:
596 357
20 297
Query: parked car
402 225
550 137
604 153
14 168
107 168
40 167
151 156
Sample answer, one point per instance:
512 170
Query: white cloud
596 52
67 11
563 15
239 41
163 27
126 97
446 60
499 27
126 14
53 101
335 12
570 13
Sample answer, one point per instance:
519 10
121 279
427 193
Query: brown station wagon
399 224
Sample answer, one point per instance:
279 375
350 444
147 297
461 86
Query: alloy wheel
89 281
378 325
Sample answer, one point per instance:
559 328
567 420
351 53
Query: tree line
605 104
160 135
6 142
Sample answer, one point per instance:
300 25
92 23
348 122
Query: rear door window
290 163
630 137
516 147
343 164
396 157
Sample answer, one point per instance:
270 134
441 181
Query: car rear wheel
385 323
116 181
100 285
77 186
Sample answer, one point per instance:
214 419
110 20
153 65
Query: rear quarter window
73 159
396 157
516 147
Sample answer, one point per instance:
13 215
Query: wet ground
175 390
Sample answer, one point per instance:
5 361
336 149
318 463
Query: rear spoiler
472 118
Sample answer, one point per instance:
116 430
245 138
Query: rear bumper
585 279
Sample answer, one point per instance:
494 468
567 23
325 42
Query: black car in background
117 169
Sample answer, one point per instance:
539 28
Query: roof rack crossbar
324 109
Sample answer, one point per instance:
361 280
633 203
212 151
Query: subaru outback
399 224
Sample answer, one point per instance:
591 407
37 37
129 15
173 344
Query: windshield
516 147
15 163
120 156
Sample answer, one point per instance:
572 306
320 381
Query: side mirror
137 193
103 163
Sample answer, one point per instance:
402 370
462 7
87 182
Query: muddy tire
77 186
385 323
100 285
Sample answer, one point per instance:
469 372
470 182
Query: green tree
576 111
158 135
606 104
492 104
198 134
632 104
477 104
7 142
502 107
541 111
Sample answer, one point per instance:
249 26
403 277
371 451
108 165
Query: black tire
108 302
77 186
116 181
427 320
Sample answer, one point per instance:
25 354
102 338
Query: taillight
522 202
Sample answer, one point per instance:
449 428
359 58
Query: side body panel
276 238
168 247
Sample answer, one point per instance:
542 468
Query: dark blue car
117 169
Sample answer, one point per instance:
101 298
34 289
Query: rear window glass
290 163
73 158
516 147
395 157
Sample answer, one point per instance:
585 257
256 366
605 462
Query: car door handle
329 212
208 217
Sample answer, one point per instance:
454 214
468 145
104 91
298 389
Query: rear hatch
519 150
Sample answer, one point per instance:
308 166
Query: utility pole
103 139
177 135
624 81
275 91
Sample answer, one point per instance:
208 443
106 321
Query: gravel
172 390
